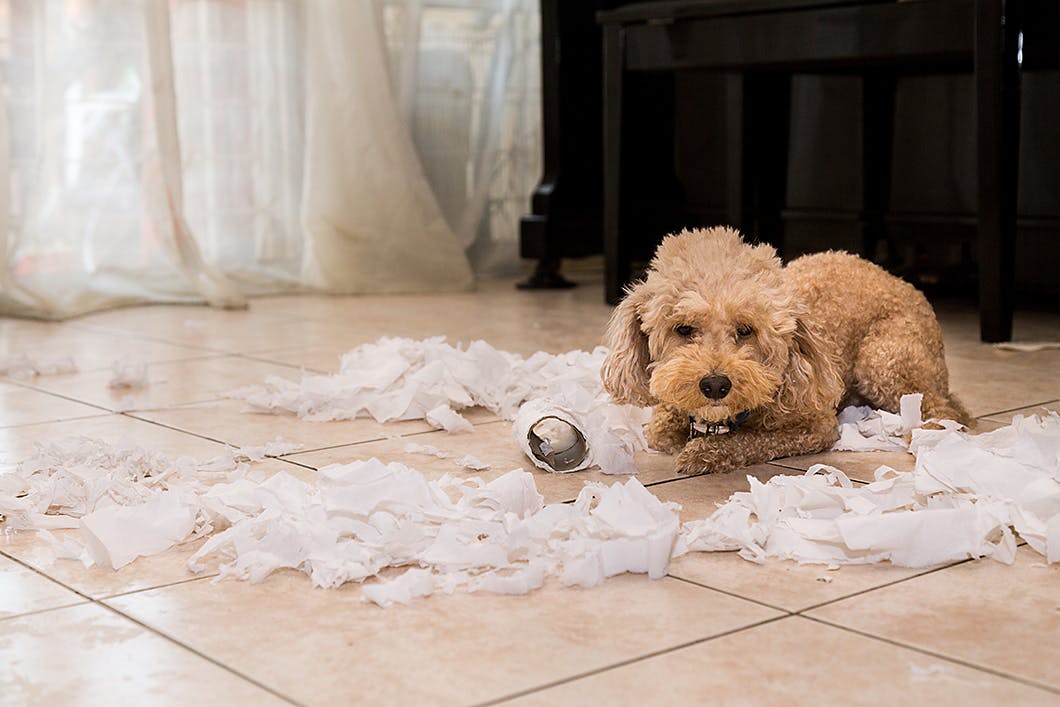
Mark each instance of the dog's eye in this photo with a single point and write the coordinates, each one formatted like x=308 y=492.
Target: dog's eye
x=743 y=331
x=684 y=330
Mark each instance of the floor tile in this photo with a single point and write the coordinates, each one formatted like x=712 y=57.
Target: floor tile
x=22 y=590
x=25 y=406
x=960 y=326
x=97 y=582
x=862 y=466
x=323 y=359
x=793 y=661
x=553 y=321
x=857 y=465
x=217 y=330
x=170 y=383
x=18 y=443
x=1006 y=618
x=226 y=420
x=778 y=583
x=1005 y=418
x=89 y=350
x=322 y=646
x=88 y=655
x=492 y=444
x=996 y=380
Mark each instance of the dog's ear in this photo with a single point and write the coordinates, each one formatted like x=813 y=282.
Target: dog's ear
x=625 y=370
x=812 y=379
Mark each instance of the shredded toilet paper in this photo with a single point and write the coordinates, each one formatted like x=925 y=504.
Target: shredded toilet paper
x=404 y=379
x=366 y=517
x=24 y=365
x=968 y=497
x=128 y=374
x=862 y=429
x=404 y=536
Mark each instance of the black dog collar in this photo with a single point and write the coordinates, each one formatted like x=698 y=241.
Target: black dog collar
x=708 y=429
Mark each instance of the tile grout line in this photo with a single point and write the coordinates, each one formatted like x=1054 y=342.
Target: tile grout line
x=628 y=661
x=941 y=656
x=44 y=611
x=287 y=457
x=141 y=590
x=132 y=414
x=200 y=654
x=105 y=413
x=27 y=386
x=886 y=584
x=304 y=369
x=1015 y=409
x=101 y=603
x=731 y=594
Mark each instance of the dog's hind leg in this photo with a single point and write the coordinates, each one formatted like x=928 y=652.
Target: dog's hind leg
x=902 y=355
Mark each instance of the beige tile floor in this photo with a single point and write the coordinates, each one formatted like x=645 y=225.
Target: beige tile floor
x=717 y=630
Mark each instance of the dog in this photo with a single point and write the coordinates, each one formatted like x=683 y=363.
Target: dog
x=745 y=360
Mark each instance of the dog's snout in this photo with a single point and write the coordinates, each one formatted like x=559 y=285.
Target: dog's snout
x=715 y=387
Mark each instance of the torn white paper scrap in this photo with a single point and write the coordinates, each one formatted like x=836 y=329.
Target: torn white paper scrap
x=276 y=448
x=364 y=517
x=968 y=497
x=1027 y=346
x=473 y=463
x=402 y=379
x=428 y=450
x=445 y=418
x=126 y=493
x=413 y=584
x=128 y=373
x=159 y=524
x=24 y=365
x=862 y=429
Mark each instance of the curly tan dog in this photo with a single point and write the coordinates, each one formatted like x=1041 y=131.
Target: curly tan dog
x=745 y=360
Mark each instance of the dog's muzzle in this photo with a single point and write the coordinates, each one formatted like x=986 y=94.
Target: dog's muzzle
x=697 y=428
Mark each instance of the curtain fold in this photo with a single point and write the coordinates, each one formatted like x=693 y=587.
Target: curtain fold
x=367 y=210
x=204 y=150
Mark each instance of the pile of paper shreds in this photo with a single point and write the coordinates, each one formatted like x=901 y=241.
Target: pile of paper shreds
x=404 y=535
x=403 y=379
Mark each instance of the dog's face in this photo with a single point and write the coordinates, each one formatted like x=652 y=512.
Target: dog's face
x=712 y=330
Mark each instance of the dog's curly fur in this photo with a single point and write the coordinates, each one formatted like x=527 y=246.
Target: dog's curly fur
x=795 y=342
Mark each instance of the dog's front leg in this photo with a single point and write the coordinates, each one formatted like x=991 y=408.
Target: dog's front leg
x=668 y=429
x=744 y=447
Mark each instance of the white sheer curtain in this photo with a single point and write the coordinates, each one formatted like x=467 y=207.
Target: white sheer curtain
x=202 y=150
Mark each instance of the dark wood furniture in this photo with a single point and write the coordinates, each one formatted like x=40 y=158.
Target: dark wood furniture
x=764 y=42
x=565 y=219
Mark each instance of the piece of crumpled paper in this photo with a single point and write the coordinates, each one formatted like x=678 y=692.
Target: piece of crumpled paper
x=367 y=518
x=404 y=379
x=356 y=522
x=24 y=365
x=406 y=536
x=127 y=502
x=128 y=373
x=969 y=496
x=862 y=429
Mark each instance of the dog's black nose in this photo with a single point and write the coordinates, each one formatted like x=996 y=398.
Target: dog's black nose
x=715 y=387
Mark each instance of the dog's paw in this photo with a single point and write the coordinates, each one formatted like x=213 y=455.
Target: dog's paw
x=702 y=455
x=668 y=443
x=667 y=431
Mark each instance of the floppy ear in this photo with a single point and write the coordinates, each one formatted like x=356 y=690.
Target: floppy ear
x=625 y=370
x=811 y=380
